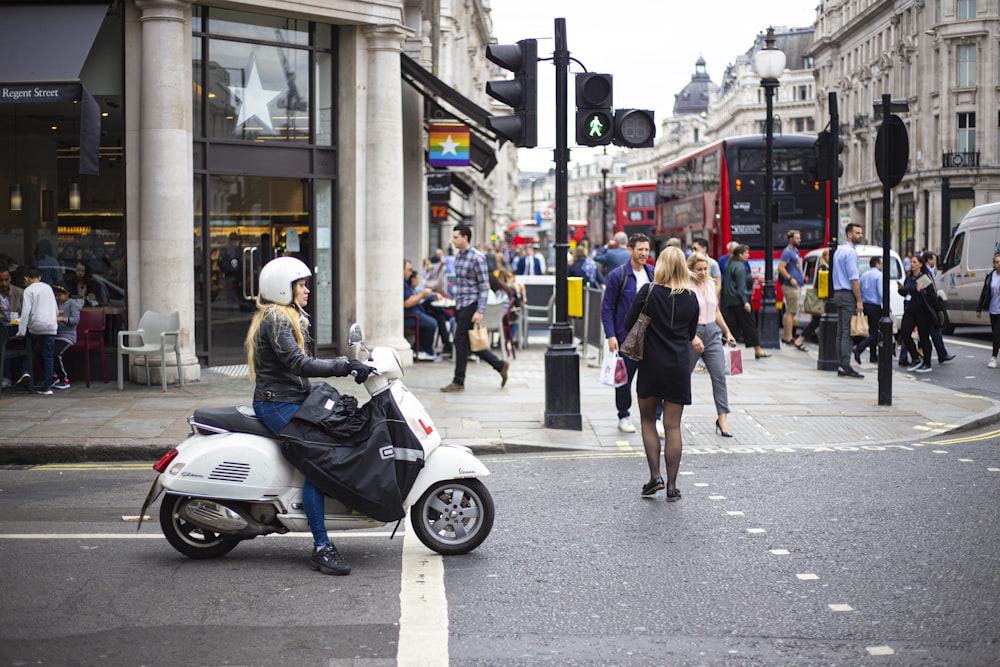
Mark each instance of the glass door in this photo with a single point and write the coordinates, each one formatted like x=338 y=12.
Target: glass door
x=251 y=219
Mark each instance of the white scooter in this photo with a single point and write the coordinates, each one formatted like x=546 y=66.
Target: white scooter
x=229 y=482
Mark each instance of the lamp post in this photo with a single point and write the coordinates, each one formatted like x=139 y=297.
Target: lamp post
x=533 y=200
x=604 y=163
x=769 y=63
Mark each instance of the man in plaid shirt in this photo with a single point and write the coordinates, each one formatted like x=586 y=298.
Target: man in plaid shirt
x=472 y=286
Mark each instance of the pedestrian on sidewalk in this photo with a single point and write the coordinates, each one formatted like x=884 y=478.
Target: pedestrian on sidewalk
x=919 y=309
x=814 y=305
x=472 y=287
x=664 y=381
x=712 y=331
x=930 y=261
x=736 y=301
x=791 y=278
x=67 y=317
x=38 y=320
x=624 y=282
x=847 y=296
x=280 y=369
x=871 y=301
x=989 y=300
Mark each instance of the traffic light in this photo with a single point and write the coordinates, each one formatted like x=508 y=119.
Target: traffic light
x=595 y=123
x=825 y=156
x=634 y=128
x=521 y=92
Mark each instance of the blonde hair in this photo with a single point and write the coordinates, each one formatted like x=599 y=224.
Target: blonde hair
x=696 y=257
x=296 y=318
x=671 y=270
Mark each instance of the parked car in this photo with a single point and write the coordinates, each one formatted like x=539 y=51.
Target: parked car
x=960 y=273
x=810 y=264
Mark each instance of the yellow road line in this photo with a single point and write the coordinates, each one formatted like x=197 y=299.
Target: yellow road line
x=624 y=445
x=94 y=466
x=970 y=438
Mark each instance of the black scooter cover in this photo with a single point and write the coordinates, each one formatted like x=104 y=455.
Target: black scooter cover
x=365 y=457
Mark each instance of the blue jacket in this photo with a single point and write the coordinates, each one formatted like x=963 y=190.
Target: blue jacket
x=613 y=314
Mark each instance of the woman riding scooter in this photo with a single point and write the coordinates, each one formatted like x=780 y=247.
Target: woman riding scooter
x=281 y=368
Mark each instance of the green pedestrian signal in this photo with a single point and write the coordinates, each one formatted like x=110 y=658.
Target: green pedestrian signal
x=594 y=117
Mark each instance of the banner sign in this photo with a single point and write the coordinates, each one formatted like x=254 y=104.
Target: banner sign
x=448 y=145
x=439 y=186
x=439 y=213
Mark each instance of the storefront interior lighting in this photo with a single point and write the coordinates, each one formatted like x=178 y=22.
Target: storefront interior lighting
x=15 y=196
x=74 y=196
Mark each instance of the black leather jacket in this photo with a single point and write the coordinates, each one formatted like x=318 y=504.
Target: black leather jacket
x=282 y=370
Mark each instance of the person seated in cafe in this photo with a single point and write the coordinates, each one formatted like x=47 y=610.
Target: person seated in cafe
x=88 y=287
x=67 y=317
x=10 y=295
x=413 y=298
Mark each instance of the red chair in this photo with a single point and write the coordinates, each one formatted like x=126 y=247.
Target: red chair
x=89 y=337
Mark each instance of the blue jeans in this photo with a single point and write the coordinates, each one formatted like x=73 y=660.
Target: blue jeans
x=44 y=344
x=275 y=415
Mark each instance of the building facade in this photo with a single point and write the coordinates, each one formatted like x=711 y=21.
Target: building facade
x=176 y=147
x=941 y=57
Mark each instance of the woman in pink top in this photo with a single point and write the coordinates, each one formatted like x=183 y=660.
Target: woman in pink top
x=712 y=329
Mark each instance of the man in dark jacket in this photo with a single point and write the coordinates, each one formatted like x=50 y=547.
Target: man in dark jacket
x=623 y=284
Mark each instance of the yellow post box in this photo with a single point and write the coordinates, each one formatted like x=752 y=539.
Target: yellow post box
x=574 y=288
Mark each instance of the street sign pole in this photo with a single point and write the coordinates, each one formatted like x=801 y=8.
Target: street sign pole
x=828 y=358
x=562 y=362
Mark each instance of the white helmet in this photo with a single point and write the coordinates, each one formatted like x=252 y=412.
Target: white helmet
x=277 y=278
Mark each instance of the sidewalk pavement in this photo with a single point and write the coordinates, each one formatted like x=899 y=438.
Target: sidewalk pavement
x=782 y=401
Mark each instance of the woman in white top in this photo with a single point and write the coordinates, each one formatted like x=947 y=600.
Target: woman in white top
x=711 y=330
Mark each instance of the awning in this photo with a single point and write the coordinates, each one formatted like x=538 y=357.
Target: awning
x=444 y=102
x=43 y=48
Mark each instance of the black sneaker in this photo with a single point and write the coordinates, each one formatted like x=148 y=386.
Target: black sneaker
x=946 y=359
x=329 y=561
x=857 y=356
x=23 y=380
x=849 y=373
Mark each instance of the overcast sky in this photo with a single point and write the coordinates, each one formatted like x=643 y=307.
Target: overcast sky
x=650 y=46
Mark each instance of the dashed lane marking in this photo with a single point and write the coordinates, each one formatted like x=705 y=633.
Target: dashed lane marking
x=756 y=531
x=880 y=650
x=841 y=607
x=780 y=552
x=807 y=577
x=159 y=536
x=735 y=513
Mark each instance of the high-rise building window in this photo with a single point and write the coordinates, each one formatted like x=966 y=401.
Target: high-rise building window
x=966 y=137
x=966 y=9
x=965 y=56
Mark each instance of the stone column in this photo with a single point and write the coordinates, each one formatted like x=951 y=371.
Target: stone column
x=380 y=252
x=166 y=263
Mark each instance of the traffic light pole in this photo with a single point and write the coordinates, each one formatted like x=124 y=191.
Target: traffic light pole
x=829 y=357
x=885 y=339
x=562 y=362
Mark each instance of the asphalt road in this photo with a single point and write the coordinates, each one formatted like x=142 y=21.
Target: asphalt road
x=853 y=557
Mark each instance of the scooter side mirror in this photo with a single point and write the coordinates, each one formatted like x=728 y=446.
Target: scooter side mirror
x=354 y=335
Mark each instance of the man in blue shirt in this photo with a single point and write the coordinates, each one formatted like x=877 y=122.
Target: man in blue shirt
x=614 y=254
x=871 y=300
x=847 y=296
x=791 y=278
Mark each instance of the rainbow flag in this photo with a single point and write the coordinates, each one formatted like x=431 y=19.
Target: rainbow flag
x=448 y=145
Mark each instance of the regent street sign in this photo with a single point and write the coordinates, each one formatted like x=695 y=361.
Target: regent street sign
x=39 y=92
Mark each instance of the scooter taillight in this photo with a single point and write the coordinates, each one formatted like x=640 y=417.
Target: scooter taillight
x=162 y=464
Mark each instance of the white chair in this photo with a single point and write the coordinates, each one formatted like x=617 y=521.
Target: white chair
x=493 y=321
x=539 y=314
x=155 y=330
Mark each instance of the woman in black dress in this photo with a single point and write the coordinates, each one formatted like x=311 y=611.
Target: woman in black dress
x=665 y=368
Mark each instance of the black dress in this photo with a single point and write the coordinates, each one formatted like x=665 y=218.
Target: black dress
x=665 y=369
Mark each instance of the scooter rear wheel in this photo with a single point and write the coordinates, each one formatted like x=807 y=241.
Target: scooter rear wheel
x=187 y=538
x=453 y=517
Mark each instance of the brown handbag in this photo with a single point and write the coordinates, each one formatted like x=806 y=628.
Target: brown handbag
x=635 y=341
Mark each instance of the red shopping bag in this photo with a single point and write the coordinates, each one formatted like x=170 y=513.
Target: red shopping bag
x=734 y=361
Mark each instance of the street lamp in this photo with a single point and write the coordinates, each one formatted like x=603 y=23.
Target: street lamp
x=769 y=63
x=604 y=162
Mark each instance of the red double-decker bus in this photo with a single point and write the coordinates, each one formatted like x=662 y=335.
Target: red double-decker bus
x=717 y=192
x=631 y=208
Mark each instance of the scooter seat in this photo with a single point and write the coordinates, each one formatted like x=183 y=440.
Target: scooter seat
x=239 y=419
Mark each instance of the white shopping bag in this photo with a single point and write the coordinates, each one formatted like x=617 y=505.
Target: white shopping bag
x=613 y=372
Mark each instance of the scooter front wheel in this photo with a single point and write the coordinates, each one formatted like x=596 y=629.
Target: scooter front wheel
x=189 y=539
x=453 y=517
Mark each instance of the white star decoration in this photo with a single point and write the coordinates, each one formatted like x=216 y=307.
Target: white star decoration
x=253 y=100
x=448 y=146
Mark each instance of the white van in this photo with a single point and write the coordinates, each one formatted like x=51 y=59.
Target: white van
x=810 y=264
x=962 y=270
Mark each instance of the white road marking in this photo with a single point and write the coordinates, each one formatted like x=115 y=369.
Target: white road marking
x=716 y=497
x=158 y=536
x=939 y=451
x=780 y=552
x=735 y=513
x=966 y=460
x=880 y=650
x=756 y=531
x=700 y=484
x=807 y=577
x=841 y=607
x=423 y=607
